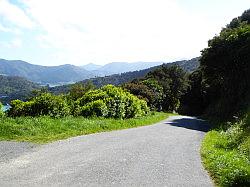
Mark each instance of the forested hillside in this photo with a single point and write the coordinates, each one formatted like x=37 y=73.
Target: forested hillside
x=15 y=88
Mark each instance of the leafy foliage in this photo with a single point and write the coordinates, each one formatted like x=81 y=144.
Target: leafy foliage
x=1 y=110
x=174 y=83
x=94 y=108
x=193 y=102
x=161 y=88
x=111 y=101
x=77 y=90
x=149 y=90
x=222 y=80
x=108 y=101
x=222 y=85
x=44 y=104
x=225 y=66
x=236 y=22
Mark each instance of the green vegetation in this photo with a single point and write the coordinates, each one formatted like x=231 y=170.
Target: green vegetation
x=108 y=101
x=226 y=154
x=222 y=80
x=161 y=88
x=44 y=104
x=15 y=88
x=46 y=129
x=220 y=91
x=149 y=90
x=2 y=114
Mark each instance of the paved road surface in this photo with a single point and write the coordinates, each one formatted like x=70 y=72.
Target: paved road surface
x=164 y=154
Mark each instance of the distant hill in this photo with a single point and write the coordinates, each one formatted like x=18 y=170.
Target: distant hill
x=117 y=79
x=44 y=74
x=66 y=74
x=91 y=67
x=120 y=67
x=15 y=88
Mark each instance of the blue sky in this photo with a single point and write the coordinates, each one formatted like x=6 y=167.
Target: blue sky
x=54 y=32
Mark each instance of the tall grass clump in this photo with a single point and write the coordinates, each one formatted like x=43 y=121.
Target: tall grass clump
x=45 y=129
x=226 y=154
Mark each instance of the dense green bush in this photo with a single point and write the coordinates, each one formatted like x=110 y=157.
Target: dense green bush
x=1 y=110
x=111 y=101
x=20 y=108
x=94 y=109
x=220 y=91
x=108 y=101
x=222 y=80
x=92 y=95
x=173 y=81
x=77 y=90
x=162 y=88
x=149 y=90
x=44 y=104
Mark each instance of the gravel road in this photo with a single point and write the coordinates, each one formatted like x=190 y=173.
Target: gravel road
x=164 y=154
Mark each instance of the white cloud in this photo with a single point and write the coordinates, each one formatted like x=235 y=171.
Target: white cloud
x=16 y=43
x=102 y=31
x=14 y=14
x=12 y=44
x=10 y=30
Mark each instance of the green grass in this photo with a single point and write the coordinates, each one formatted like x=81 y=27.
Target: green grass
x=226 y=154
x=46 y=129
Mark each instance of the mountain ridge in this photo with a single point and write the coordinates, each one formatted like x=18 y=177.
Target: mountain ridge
x=67 y=73
x=118 y=79
x=43 y=74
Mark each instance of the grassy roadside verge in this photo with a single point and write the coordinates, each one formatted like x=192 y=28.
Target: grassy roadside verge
x=46 y=129
x=226 y=154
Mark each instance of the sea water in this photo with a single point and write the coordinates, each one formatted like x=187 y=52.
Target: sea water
x=6 y=107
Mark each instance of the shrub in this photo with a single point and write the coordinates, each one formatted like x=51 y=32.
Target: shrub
x=44 y=104
x=20 y=108
x=135 y=107
x=92 y=95
x=94 y=109
x=48 y=104
x=109 y=101
x=1 y=110
x=116 y=103
x=148 y=90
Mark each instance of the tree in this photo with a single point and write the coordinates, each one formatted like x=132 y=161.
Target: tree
x=193 y=101
x=221 y=87
x=78 y=90
x=174 y=83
